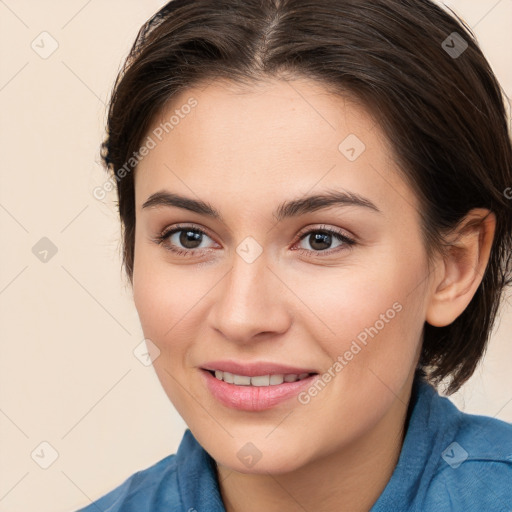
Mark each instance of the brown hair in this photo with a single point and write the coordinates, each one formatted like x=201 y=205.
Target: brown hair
x=436 y=99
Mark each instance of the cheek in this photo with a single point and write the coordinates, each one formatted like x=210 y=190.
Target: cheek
x=374 y=312
x=162 y=304
x=157 y=298
x=169 y=299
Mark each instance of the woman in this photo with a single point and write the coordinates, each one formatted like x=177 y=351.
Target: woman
x=317 y=232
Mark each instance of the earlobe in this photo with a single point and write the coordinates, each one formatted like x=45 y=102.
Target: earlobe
x=462 y=267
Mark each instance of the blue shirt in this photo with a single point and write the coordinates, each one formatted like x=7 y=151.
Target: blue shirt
x=450 y=461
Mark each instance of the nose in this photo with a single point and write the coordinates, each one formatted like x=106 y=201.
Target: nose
x=250 y=301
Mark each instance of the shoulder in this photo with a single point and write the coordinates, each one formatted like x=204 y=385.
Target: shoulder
x=153 y=488
x=181 y=482
x=474 y=469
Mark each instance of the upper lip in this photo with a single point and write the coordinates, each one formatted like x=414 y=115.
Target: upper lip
x=254 y=369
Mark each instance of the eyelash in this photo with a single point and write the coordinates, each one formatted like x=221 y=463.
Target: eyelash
x=161 y=239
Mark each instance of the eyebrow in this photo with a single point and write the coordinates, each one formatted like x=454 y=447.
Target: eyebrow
x=287 y=209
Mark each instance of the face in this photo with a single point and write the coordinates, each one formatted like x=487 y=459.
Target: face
x=337 y=289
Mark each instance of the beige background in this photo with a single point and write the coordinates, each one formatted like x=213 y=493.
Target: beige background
x=68 y=374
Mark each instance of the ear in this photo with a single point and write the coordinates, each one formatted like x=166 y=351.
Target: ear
x=461 y=270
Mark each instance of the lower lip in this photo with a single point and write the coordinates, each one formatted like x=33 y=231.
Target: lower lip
x=254 y=398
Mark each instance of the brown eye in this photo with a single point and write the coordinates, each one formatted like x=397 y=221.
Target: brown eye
x=183 y=240
x=189 y=238
x=321 y=239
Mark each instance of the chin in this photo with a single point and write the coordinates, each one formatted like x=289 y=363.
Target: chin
x=258 y=458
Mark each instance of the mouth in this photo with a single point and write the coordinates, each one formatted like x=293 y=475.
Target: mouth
x=258 y=380
x=258 y=392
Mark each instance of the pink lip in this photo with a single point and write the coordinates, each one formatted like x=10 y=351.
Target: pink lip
x=254 y=398
x=254 y=369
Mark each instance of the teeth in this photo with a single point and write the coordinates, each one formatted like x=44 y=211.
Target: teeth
x=260 y=380
x=241 y=380
x=276 y=379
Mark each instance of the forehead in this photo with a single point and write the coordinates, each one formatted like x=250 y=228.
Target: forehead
x=254 y=143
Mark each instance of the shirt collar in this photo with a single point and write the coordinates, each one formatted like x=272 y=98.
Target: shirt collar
x=422 y=438
x=197 y=477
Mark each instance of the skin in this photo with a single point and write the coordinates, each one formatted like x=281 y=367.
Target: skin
x=245 y=152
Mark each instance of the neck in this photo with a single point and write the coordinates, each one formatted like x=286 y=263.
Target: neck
x=348 y=480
